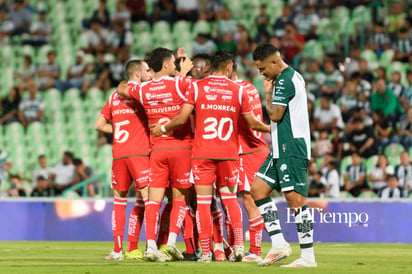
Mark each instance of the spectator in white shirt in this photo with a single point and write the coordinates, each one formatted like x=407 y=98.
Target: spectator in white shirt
x=327 y=115
x=307 y=22
x=42 y=170
x=380 y=173
x=121 y=41
x=6 y=28
x=332 y=181
x=76 y=72
x=121 y=15
x=97 y=37
x=40 y=31
x=64 y=175
x=187 y=10
x=31 y=109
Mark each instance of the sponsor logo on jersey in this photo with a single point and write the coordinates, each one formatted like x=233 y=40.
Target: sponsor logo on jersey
x=227 y=97
x=211 y=97
x=207 y=89
x=167 y=100
x=157 y=88
x=283 y=167
x=124 y=111
x=281 y=81
x=116 y=103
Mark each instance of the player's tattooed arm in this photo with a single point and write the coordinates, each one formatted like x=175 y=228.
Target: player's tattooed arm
x=274 y=111
x=103 y=126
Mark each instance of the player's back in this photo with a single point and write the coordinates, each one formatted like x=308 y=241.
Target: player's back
x=251 y=140
x=130 y=126
x=218 y=104
x=162 y=100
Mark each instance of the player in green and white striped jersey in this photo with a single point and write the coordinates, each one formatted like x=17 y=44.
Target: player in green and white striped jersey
x=285 y=169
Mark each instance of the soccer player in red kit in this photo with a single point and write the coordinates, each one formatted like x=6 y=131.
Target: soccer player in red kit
x=129 y=125
x=218 y=102
x=162 y=98
x=253 y=151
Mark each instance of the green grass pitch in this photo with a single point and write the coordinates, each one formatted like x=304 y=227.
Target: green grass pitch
x=87 y=257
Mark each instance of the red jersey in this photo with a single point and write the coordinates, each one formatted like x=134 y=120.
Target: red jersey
x=251 y=140
x=130 y=125
x=162 y=100
x=218 y=104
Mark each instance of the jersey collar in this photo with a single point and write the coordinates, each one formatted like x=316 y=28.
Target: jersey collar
x=133 y=82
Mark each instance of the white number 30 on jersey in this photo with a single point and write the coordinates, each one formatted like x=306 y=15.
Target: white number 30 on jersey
x=121 y=135
x=215 y=128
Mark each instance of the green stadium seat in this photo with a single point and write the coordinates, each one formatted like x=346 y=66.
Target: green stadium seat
x=393 y=150
x=386 y=58
x=340 y=13
x=141 y=26
x=201 y=27
x=371 y=163
x=362 y=15
x=160 y=27
x=369 y=55
x=14 y=133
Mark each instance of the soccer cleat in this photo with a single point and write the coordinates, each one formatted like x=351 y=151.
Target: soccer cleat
x=152 y=255
x=300 y=263
x=239 y=253
x=205 y=258
x=174 y=253
x=251 y=257
x=275 y=255
x=116 y=256
x=189 y=257
x=136 y=254
x=220 y=255
x=230 y=254
x=162 y=249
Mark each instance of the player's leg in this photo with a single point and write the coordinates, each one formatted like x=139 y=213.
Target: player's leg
x=293 y=172
x=157 y=187
x=120 y=185
x=165 y=220
x=217 y=222
x=227 y=178
x=263 y=184
x=204 y=172
x=179 y=172
x=140 y=171
x=249 y=165
x=189 y=228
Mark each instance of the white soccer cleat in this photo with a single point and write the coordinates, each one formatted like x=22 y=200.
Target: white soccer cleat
x=205 y=258
x=239 y=253
x=115 y=256
x=275 y=255
x=173 y=252
x=300 y=263
x=251 y=257
x=153 y=255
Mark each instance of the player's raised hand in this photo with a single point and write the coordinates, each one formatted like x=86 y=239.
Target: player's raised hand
x=181 y=53
x=268 y=85
x=185 y=66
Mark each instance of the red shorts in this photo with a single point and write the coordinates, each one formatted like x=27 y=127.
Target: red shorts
x=249 y=166
x=170 y=165
x=207 y=171
x=127 y=170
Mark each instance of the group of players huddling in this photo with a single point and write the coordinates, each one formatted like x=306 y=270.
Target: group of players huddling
x=199 y=139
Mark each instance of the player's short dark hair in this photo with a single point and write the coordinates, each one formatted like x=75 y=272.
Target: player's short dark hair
x=131 y=66
x=221 y=59
x=177 y=62
x=157 y=57
x=77 y=161
x=264 y=51
x=69 y=154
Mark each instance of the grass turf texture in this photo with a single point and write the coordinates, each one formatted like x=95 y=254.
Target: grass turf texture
x=87 y=257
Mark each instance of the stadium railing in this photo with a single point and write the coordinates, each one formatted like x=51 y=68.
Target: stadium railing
x=103 y=186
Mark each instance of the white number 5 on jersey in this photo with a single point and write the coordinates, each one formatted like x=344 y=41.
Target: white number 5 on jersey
x=121 y=135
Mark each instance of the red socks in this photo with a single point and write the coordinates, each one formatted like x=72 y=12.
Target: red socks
x=135 y=224
x=203 y=218
x=217 y=226
x=234 y=213
x=177 y=215
x=188 y=231
x=118 y=221
x=255 y=229
x=152 y=218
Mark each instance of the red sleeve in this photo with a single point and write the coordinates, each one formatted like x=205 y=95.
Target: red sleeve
x=106 y=113
x=191 y=94
x=182 y=85
x=245 y=107
x=134 y=92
